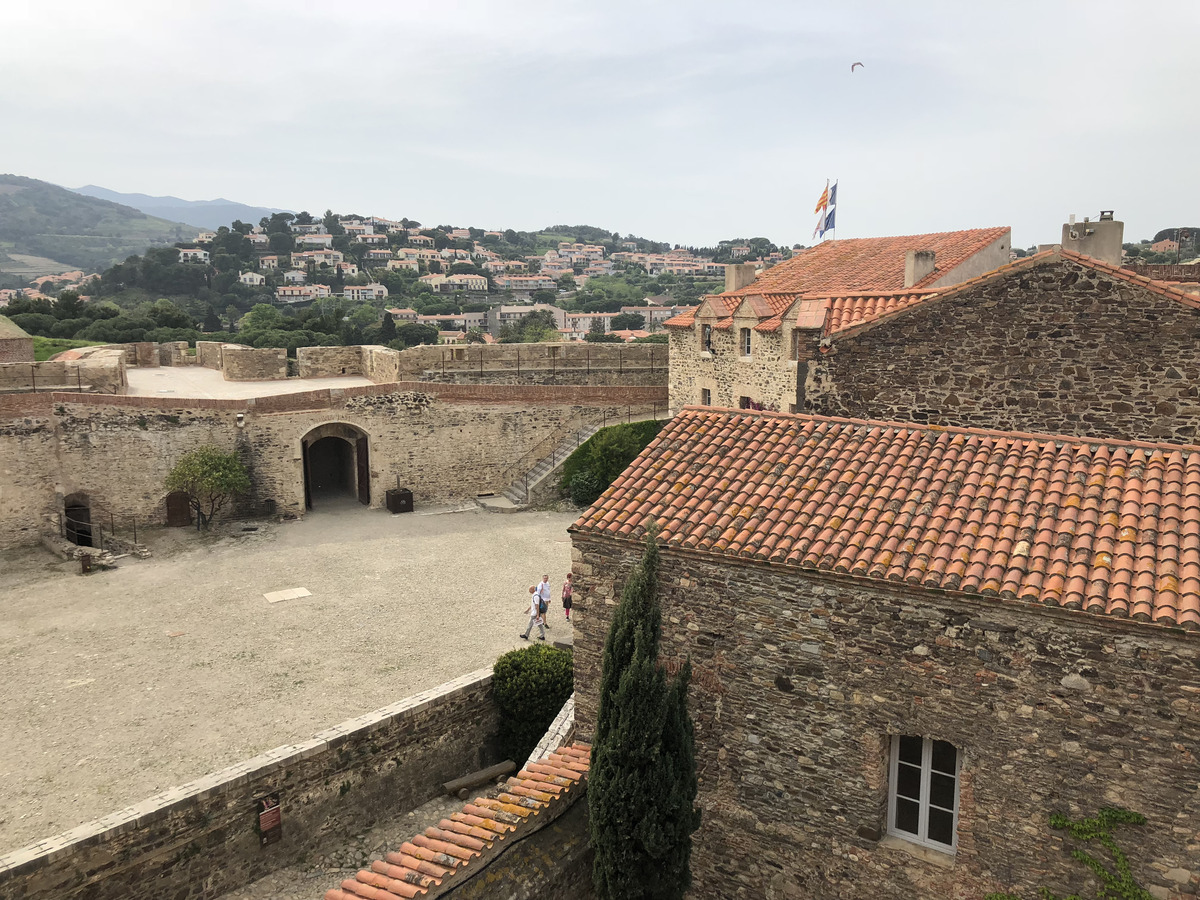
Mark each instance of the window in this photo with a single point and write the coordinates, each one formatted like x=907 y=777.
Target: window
x=705 y=397
x=745 y=403
x=706 y=337
x=795 y=343
x=923 y=793
x=745 y=341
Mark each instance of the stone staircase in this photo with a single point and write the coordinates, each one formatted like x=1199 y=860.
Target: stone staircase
x=516 y=496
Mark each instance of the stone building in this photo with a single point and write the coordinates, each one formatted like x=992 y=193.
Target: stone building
x=15 y=345
x=911 y=645
x=1056 y=342
x=739 y=348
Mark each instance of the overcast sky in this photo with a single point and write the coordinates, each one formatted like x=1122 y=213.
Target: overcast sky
x=687 y=122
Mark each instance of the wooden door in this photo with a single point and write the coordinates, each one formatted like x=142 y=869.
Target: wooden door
x=179 y=510
x=304 y=466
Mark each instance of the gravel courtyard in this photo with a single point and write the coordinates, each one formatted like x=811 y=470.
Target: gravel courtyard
x=120 y=684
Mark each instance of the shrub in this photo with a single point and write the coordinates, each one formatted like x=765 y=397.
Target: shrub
x=531 y=685
x=605 y=455
x=585 y=488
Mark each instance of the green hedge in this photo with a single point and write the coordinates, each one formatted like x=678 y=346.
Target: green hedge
x=595 y=465
x=531 y=685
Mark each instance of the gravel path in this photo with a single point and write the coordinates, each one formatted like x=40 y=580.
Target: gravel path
x=121 y=684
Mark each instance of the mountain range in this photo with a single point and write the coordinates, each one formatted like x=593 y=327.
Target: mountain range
x=208 y=214
x=47 y=229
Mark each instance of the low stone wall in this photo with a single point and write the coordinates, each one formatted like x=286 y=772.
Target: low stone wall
x=174 y=353
x=208 y=354
x=253 y=364
x=639 y=375
x=576 y=357
x=380 y=364
x=201 y=839
x=99 y=372
x=326 y=362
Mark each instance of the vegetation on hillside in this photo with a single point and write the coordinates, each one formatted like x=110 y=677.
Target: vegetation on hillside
x=41 y=219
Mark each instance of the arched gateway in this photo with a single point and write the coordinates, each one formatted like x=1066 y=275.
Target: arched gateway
x=336 y=464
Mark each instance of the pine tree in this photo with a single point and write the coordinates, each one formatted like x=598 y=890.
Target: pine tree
x=642 y=781
x=387 y=332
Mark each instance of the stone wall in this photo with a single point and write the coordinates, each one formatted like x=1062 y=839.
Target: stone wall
x=324 y=362
x=643 y=376
x=767 y=376
x=208 y=354
x=800 y=680
x=16 y=350
x=253 y=364
x=101 y=372
x=201 y=840
x=380 y=364
x=416 y=362
x=443 y=442
x=1059 y=348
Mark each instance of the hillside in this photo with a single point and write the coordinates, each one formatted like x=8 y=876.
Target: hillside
x=45 y=228
x=208 y=214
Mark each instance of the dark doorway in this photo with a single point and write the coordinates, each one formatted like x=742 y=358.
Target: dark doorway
x=336 y=464
x=77 y=520
x=179 y=510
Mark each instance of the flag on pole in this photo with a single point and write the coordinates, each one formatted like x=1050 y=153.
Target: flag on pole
x=823 y=203
x=833 y=195
x=829 y=221
x=820 y=229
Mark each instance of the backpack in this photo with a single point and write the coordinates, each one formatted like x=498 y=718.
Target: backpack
x=542 y=605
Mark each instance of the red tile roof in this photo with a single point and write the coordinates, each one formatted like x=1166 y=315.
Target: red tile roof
x=461 y=845
x=869 y=264
x=1104 y=527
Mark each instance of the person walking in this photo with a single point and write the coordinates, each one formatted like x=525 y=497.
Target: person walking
x=535 y=615
x=543 y=592
x=567 y=590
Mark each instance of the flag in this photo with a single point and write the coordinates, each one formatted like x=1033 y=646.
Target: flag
x=829 y=220
x=820 y=229
x=823 y=203
x=833 y=195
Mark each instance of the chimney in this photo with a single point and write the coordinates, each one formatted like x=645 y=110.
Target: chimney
x=1100 y=239
x=738 y=275
x=918 y=264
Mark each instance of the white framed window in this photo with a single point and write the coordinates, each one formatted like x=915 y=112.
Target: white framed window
x=923 y=792
x=745 y=341
x=706 y=337
x=705 y=397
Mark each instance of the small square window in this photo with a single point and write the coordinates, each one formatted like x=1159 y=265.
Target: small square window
x=705 y=397
x=923 y=792
x=745 y=340
x=744 y=403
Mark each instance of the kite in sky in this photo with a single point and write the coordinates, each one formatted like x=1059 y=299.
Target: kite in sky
x=852 y=67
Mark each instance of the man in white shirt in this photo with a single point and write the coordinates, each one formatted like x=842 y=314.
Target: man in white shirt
x=543 y=593
x=535 y=615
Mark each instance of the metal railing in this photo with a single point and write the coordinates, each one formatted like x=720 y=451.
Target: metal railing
x=94 y=528
x=564 y=445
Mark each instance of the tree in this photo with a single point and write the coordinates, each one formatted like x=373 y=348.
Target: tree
x=68 y=306
x=543 y=296
x=387 y=331
x=413 y=333
x=642 y=781
x=475 y=336
x=211 y=479
x=628 y=321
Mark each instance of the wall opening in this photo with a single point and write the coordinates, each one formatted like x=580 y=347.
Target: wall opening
x=336 y=465
x=179 y=509
x=77 y=520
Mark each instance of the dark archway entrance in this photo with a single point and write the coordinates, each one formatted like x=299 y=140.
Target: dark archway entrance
x=77 y=520
x=336 y=464
x=179 y=509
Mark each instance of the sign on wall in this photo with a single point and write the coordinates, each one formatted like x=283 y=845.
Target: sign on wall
x=270 y=819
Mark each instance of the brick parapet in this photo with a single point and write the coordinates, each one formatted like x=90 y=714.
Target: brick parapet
x=200 y=839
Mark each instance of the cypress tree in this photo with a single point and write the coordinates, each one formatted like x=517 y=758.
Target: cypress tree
x=387 y=331
x=642 y=780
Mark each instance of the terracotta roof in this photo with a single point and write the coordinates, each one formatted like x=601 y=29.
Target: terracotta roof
x=1104 y=527
x=461 y=845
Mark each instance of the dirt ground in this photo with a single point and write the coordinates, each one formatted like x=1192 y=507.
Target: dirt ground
x=120 y=684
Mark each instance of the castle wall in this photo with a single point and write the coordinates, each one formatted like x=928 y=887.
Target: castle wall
x=443 y=442
x=800 y=680
x=323 y=362
x=253 y=364
x=201 y=840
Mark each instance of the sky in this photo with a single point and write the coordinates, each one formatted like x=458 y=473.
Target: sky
x=688 y=122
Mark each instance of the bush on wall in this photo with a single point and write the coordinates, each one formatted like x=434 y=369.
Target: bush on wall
x=531 y=685
x=595 y=465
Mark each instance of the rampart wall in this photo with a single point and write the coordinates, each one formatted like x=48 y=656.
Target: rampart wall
x=443 y=442
x=201 y=840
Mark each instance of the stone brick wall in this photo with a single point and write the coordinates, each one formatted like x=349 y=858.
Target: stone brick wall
x=15 y=350
x=443 y=442
x=1060 y=348
x=253 y=364
x=799 y=681
x=102 y=372
x=200 y=840
x=416 y=362
x=767 y=376
x=630 y=375
x=208 y=354
x=323 y=362
x=380 y=364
